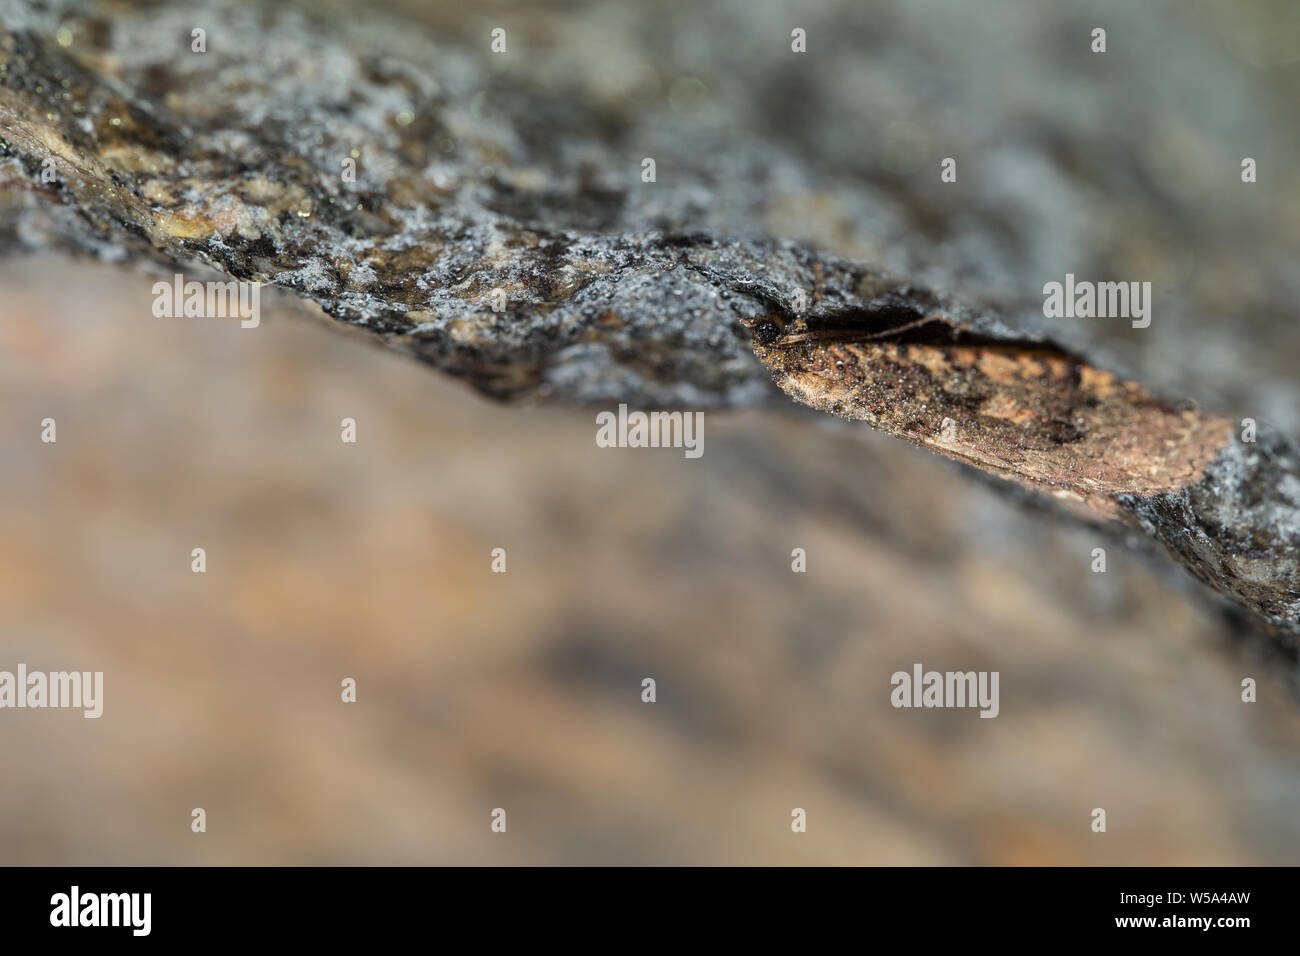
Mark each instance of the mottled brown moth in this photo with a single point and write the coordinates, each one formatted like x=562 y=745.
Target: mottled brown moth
x=1029 y=411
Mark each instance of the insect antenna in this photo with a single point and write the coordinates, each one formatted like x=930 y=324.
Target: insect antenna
x=839 y=335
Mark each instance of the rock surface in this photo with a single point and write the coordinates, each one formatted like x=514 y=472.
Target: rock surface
x=778 y=176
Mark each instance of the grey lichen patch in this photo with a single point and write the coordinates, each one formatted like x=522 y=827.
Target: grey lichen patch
x=528 y=274
x=1238 y=530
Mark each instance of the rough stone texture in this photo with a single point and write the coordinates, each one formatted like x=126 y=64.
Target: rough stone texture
x=778 y=177
x=1238 y=530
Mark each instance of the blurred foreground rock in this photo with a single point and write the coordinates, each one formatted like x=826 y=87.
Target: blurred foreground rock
x=522 y=690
